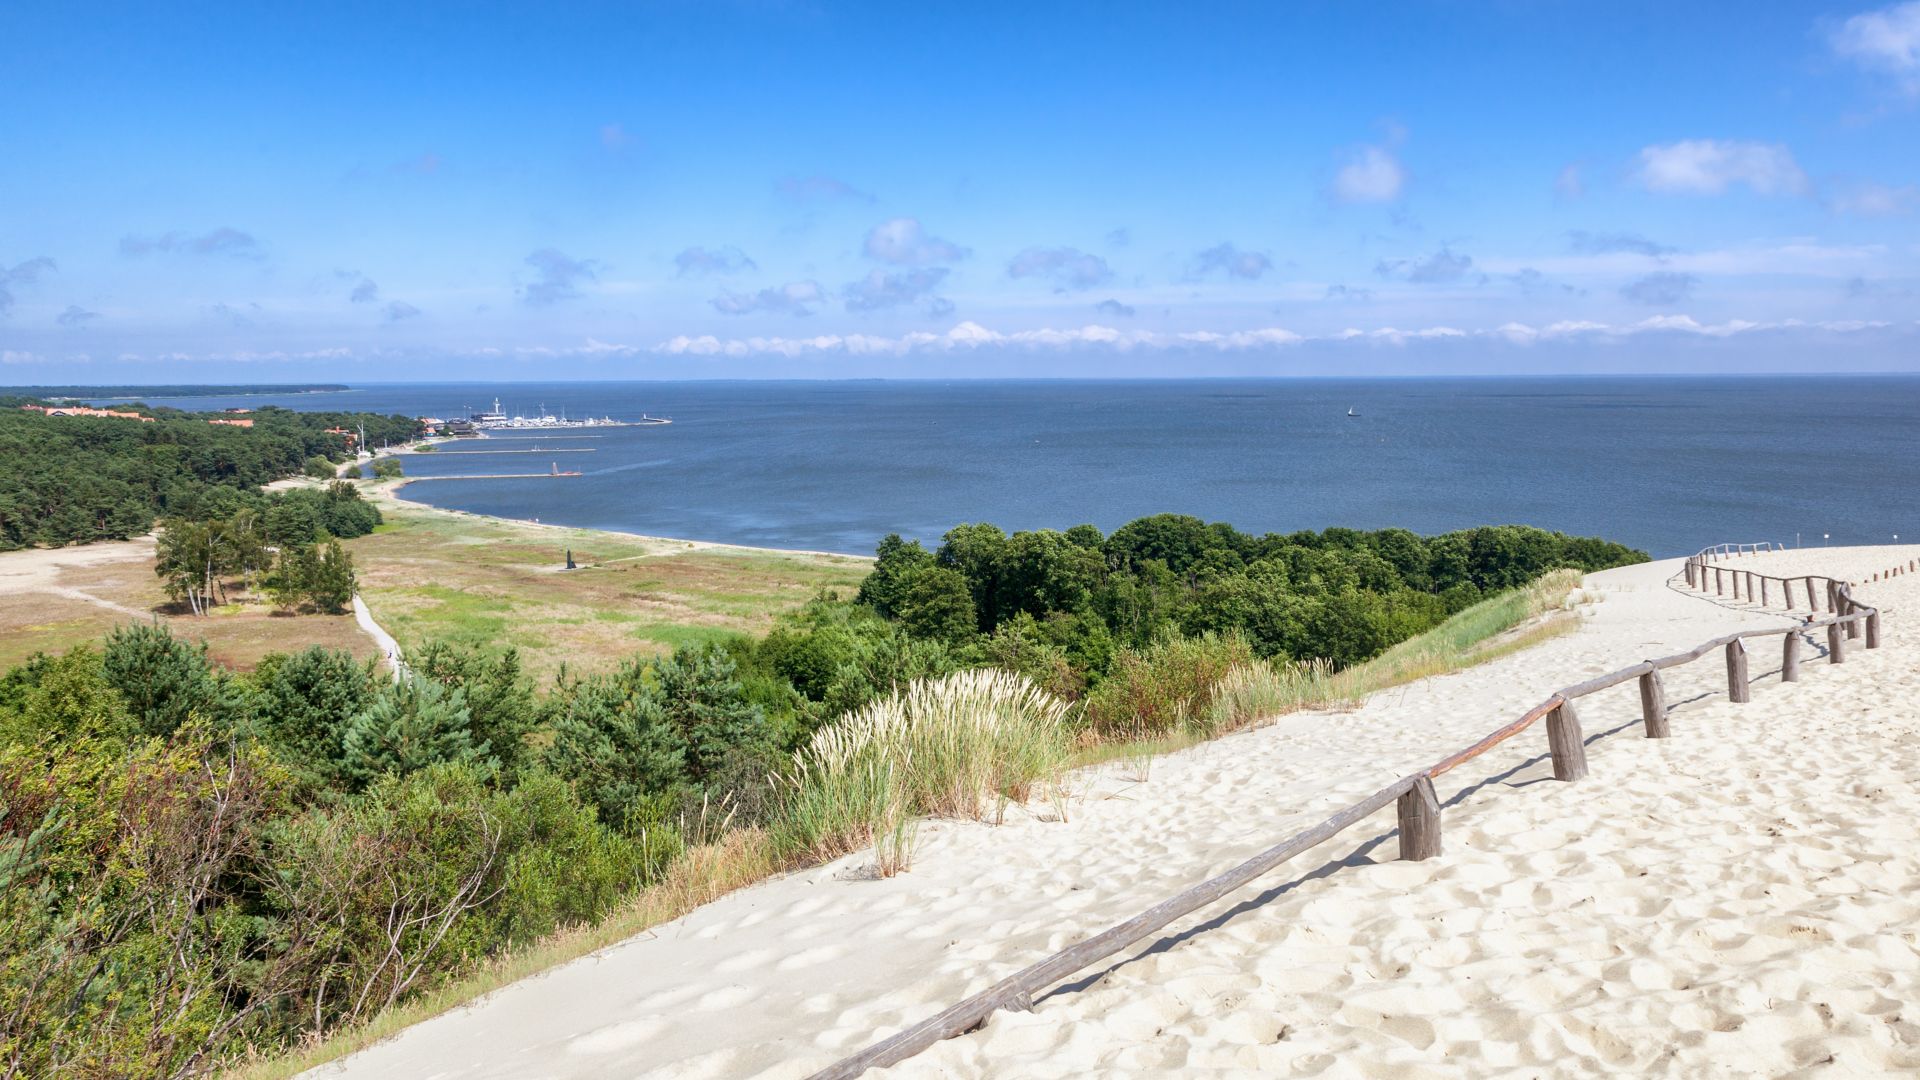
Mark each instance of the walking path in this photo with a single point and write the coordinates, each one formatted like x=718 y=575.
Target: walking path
x=389 y=648
x=1567 y=925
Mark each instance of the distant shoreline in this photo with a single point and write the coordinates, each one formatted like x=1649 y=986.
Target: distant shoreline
x=392 y=490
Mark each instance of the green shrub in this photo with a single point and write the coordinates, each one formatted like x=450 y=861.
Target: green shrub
x=1167 y=687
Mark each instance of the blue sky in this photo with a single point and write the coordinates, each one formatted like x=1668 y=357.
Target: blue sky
x=738 y=189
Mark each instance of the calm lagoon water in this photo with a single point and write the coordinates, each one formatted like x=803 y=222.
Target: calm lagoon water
x=1664 y=464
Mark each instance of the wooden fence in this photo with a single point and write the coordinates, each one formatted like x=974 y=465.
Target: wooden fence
x=1417 y=804
x=1704 y=571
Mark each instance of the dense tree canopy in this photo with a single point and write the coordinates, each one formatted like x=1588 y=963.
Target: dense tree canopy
x=72 y=479
x=1340 y=595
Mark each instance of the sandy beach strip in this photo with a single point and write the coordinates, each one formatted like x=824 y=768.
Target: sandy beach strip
x=1739 y=898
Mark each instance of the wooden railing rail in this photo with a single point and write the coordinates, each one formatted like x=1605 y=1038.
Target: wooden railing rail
x=1418 y=818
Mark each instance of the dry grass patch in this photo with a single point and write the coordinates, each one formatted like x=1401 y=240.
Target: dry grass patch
x=431 y=573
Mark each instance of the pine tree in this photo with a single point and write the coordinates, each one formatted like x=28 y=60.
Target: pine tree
x=414 y=724
x=612 y=740
x=705 y=703
x=164 y=680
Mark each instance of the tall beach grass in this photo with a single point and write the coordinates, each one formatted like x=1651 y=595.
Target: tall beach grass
x=957 y=746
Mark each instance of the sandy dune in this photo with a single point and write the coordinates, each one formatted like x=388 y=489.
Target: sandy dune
x=1741 y=898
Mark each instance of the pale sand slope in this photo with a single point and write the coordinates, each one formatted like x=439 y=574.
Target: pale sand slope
x=37 y=570
x=1761 y=858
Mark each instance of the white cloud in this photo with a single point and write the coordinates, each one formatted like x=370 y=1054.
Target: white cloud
x=557 y=277
x=795 y=297
x=1067 y=267
x=903 y=242
x=224 y=240
x=1887 y=39
x=1711 y=166
x=1663 y=289
x=968 y=336
x=1877 y=200
x=721 y=260
x=1234 y=262
x=1441 y=267
x=1372 y=174
x=884 y=290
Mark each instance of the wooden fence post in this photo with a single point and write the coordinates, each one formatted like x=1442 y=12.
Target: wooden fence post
x=1836 y=644
x=1420 y=821
x=1790 y=658
x=1848 y=607
x=1786 y=586
x=1564 y=740
x=1653 y=705
x=1873 y=629
x=1719 y=582
x=1736 y=584
x=1737 y=689
x=1763 y=592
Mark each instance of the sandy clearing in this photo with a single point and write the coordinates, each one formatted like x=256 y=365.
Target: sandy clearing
x=1558 y=909
x=38 y=569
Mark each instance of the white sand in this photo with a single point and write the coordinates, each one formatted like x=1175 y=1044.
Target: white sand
x=38 y=570
x=1742 y=898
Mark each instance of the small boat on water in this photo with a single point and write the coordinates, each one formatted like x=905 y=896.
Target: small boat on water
x=1350 y=411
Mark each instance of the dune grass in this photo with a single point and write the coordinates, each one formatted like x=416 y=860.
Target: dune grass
x=957 y=746
x=960 y=746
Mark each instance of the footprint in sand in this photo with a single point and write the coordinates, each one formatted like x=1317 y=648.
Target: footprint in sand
x=615 y=1037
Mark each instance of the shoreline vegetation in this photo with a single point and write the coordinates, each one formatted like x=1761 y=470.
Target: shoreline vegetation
x=744 y=857
x=209 y=867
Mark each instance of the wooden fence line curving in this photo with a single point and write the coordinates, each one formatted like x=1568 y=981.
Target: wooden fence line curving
x=1417 y=804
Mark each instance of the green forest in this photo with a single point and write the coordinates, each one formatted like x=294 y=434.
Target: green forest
x=75 y=479
x=195 y=861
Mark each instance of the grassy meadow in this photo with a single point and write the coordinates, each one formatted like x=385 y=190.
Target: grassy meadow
x=434 y=574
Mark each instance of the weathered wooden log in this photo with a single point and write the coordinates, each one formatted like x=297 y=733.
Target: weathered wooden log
x=1736 y=584
x=1017 y=990
x=1719 y=582
x=1786 y=588
x=1873 y=629
x=1653 y=705
x=1420 y=821
x=1836 y=644
x=1790 y=658
x=1763 y=592
x=1493 y=739
x=1737 y=689
x=1848 y=607
x=1565 y=741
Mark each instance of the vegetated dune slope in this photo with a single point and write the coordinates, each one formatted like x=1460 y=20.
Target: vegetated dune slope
x=1741 y=898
